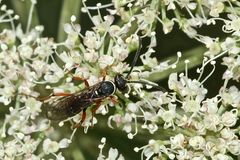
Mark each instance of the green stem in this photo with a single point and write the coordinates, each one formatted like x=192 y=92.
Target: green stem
x=30 y=16
x=27 y=13
x=195 y=56
x=222 y=109
x=69 y=8
x=185 y=131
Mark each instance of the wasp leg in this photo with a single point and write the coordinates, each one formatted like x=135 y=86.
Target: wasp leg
x=113 y=99
x=103 y=73
x=53 y=94
x=62 y=94
x=78 y=78
x=94 y=109
x=81 y=79
x=83 y=115
x=77 y=125
x=69 y=71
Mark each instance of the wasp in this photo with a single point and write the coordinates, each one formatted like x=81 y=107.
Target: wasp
x=70 y=105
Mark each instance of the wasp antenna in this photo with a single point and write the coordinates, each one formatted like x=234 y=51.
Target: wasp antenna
x=136 y=56
x=157 y=87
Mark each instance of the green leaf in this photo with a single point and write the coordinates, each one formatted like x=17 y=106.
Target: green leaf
x=69 y=8
x=195 y=56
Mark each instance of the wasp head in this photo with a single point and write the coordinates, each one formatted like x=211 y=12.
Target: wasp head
x=120 y=82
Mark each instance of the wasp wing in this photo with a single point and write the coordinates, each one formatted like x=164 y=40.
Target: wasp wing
x=68 y=106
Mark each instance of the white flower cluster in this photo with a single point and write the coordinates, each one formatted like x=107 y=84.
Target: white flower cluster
x=24 y=63
x=196 y=127
x=112 y=153
x=187 y=123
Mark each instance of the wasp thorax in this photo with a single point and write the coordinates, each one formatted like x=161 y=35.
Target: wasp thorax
x=107 y=88
x=120 y=82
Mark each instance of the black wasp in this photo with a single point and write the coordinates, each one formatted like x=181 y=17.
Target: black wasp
x=72 y=104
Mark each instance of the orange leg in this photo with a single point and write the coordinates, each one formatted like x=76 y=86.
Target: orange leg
x=53 y=94
x=78 y=78
x=93 y=110
x=62 y=94
x=83 y=115
x=113 y=99
x=75 y=66
x=77 y=125
x=81 y=79
x=104 y=73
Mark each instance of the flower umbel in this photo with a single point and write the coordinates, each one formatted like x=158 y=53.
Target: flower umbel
x=75 y=82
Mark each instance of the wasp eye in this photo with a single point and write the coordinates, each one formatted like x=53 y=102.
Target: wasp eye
x=120 y=82
x=107 y=88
